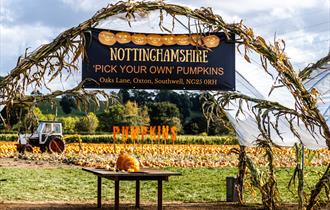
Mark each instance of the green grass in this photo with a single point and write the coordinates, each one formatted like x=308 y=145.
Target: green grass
x=73 y=184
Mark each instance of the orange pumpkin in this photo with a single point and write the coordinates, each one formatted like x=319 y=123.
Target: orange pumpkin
x=107 y=38
x=123 y=37
x=211 y=41
x=127 y=163
x=196 y=40
x=139 y=39
x=155 y=40
x=182 y=39
x=169 y=39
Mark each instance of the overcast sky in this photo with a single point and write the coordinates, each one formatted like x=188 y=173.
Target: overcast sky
x=303 y=24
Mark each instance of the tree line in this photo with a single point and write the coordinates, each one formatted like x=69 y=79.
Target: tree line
x=135 y=107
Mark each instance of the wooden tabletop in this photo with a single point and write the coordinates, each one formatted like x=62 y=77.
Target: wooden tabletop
x=144 y=172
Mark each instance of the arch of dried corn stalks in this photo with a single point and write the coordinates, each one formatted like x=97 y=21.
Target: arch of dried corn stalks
x=51 y=61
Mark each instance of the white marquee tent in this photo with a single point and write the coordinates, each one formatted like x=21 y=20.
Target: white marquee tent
x=246 y=125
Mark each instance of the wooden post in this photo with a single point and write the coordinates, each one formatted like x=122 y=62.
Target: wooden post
x=231 y=193
x=99 y=191
x=137 y=194
x=116 y=194
x=160 y=194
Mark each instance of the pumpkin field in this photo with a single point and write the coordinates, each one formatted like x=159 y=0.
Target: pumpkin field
x=166 y=155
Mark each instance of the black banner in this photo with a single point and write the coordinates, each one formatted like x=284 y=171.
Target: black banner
x=151 y=61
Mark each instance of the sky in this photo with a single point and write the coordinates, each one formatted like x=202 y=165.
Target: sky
x=303 y=24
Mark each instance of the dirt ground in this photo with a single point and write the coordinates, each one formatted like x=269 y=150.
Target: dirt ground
x=21 y=163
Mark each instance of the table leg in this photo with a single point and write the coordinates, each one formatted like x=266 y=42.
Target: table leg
x=160 y=194
x=99 y=191
x=116 y=194
x=137 y=194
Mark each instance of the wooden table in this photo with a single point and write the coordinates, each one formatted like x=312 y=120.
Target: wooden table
x=144 y=174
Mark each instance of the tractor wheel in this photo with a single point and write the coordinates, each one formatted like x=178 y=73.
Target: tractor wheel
x=43 y=148
x=21 y=148
x=28 y=148
x=56 y=145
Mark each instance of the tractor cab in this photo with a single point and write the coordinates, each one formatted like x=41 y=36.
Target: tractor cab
x=47 y=136
x=48 y=129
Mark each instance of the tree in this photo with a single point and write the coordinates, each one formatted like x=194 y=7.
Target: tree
x=135 y=115
x=174 y=121
x=22 y=119
x=142 y=97
x=131 y=116
x=69 y=124
x=131 y=108
x=220 y=127
x=195 y=102
x=161 y=113
x=68 y=104
x=124 y=96
x=128 y=114
x=114 y=116
x=38 y=113
x=36 y=93
x=144 y=113
x=13 y=115
x=180 y=100
x=196 y=125
x=88 y=123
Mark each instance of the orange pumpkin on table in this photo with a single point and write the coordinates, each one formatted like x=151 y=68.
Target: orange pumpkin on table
x=127 y=163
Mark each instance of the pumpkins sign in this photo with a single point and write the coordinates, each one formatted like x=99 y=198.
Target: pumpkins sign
x=117 y=59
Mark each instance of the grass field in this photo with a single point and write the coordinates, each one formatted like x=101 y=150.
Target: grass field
x=73 y=184
x=36 y=177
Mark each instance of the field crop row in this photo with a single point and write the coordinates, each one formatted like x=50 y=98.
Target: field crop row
x=108 y=138
x=161 y=155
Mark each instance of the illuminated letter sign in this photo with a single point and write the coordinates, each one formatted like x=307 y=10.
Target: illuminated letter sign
x=151 y=61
